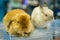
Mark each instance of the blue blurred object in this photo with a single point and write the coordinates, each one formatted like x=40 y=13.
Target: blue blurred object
x=55 y=27
x=57 y=8
x=3 y=8
x=5 y=35
x=56 y=11
x=26 y=2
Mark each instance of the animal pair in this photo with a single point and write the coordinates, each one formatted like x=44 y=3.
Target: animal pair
x=18 y=22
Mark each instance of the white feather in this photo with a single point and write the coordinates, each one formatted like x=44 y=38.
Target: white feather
x=38 y=18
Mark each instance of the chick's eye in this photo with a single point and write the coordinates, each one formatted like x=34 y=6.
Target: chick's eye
x=46 y=15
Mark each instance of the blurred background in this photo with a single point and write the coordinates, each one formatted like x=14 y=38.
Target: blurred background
x=28 y=6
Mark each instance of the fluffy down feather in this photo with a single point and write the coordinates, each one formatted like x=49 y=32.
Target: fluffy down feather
x=18 y=22
x=41 y=17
